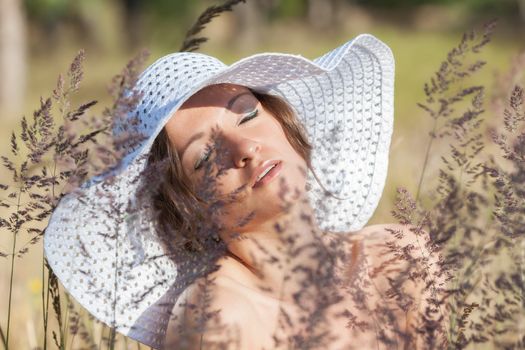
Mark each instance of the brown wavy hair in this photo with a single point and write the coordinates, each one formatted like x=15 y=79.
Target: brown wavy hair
x=176 y=201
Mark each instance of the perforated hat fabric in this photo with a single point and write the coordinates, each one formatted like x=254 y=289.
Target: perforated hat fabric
x=112 y=262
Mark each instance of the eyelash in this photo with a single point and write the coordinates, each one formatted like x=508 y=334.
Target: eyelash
x=206 y=156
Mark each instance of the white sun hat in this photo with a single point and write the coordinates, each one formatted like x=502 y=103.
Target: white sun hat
x=113 y=263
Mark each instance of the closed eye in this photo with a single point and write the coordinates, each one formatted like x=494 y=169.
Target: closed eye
x=204 y=158
x=207 y=153
x=250 y=115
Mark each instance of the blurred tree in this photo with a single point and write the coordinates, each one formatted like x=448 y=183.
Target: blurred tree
x=493 y=7
x=47 y=15
x=133 y=22
x=323 y=13
x=249 y=17
x=408 y=3
x=169 y=10
x=93 y=22
x=13 y=64
x=289 y=8
x=166 y=21
x=54 y=18
x=521 y=5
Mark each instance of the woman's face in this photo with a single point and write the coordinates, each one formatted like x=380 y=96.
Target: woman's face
x=250 y=139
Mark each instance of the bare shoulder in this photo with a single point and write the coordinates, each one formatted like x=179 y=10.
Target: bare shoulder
x=396 y=247
x=376 y=233
x=382 y=242
x=219 y=292
x=406 y=241
x=390 y=230
x=404 y=272
x=214 y=312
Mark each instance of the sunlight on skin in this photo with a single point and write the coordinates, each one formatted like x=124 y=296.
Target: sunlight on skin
x=367 y=269
x=246 y=147
x=250 y=295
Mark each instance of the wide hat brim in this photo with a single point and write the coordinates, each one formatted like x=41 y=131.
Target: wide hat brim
x=101 y=242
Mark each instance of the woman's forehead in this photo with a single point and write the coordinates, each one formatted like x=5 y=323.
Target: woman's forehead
x=214 y=95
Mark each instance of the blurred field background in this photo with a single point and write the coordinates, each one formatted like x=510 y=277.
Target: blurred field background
x=39 y=38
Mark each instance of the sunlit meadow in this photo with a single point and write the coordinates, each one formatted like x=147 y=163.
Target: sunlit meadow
x=419 y=49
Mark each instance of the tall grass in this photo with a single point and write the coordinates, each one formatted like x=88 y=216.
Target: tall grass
x=467 y=212
x=48 y=160
x=451 y=275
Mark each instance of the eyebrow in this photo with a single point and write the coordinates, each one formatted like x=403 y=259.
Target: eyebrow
x=199 y=135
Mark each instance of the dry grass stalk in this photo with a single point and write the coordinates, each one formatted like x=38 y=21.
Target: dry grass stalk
x=445 y=250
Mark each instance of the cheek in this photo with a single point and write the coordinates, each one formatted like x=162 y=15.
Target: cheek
x=223 y=187
x=277 y=137
x=277 y=141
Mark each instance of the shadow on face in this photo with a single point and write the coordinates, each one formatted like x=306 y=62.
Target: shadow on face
x=226 y=140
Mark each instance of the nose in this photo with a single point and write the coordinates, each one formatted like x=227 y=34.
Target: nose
x=244 y=150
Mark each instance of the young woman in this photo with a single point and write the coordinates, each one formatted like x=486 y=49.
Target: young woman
x=236 y=216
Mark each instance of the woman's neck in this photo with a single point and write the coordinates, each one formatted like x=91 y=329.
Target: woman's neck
x=272 y=256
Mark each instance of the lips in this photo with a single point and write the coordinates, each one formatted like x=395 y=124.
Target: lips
x=262 y=169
